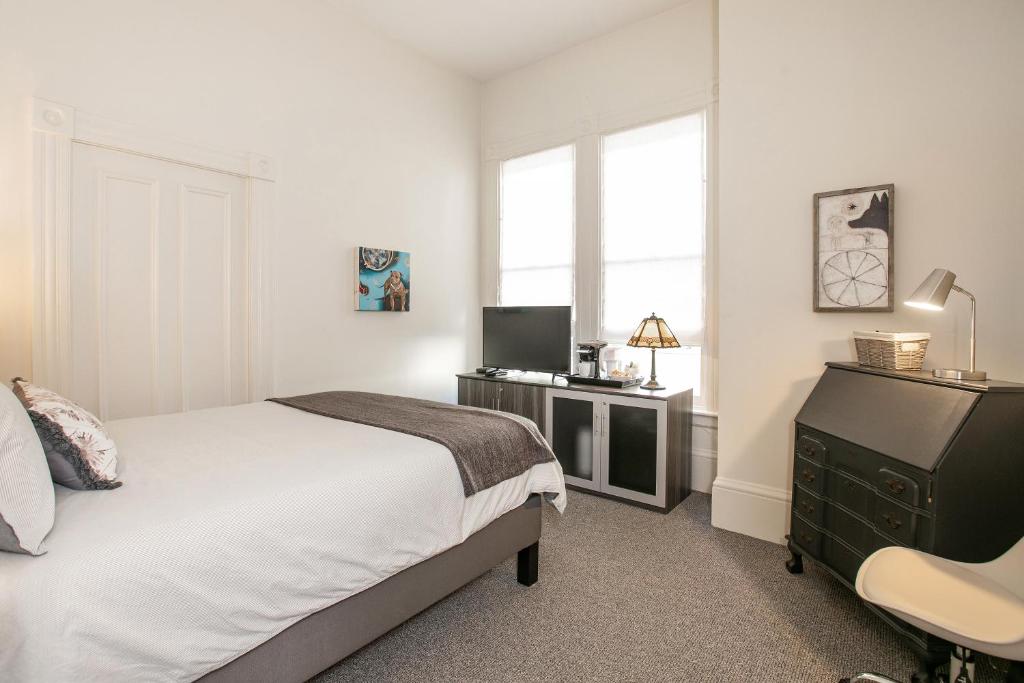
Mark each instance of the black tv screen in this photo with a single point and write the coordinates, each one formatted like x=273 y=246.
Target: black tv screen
x=537 y=338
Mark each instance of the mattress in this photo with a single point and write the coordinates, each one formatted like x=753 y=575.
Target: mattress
x=233 y=523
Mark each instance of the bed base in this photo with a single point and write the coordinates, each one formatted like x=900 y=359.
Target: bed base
x=324 y=638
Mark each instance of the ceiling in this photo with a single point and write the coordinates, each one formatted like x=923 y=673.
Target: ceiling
x=486 y=38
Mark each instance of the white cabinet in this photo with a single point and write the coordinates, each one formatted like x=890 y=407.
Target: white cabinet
x=616 y=445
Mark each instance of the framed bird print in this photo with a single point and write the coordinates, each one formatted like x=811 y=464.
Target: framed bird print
x=382 y=280
x=853 y=250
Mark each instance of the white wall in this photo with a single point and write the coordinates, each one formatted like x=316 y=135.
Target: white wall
x=650 y=70
x=375 y=146
x=824 y=95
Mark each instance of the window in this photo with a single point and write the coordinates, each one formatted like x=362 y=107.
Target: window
x=632 y=240
x=536 y=227
x=652 y=229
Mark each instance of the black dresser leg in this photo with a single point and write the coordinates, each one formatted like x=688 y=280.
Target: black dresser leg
x=526 y=564
x=795 y=563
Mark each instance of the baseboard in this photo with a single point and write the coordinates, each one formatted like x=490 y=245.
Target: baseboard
x=704 y=458
x=703 y=467
x=751 y=509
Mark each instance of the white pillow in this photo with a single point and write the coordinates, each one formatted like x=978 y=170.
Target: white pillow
x=80 y=453
x=26 y=491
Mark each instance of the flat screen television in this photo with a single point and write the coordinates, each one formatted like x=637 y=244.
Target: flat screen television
x=537 y=338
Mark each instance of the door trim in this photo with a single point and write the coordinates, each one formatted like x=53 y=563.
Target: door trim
x=55 y=127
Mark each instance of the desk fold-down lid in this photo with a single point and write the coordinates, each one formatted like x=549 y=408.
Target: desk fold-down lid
x=913 y=422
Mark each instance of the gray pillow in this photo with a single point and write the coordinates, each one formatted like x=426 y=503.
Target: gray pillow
x=80 y=453
x=26 y=491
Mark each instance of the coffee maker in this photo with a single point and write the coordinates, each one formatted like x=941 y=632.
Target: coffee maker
x=589 y=356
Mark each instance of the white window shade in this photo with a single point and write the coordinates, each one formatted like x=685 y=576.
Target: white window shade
x=536 y=227
x=652 y=209
x=652 y=246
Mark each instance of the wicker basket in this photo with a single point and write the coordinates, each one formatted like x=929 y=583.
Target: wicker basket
x=891 y=350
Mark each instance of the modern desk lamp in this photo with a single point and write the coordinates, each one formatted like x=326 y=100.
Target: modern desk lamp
x=931 y=296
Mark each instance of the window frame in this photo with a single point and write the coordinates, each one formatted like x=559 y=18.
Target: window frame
x=588 y=229
x=572 y=236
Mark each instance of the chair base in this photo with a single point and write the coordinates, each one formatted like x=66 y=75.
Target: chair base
x=1015 y=674
x=916 y=677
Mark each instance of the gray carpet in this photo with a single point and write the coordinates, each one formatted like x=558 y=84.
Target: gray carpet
x=631 y=595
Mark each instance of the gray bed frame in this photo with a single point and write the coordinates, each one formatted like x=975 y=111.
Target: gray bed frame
x=324 y=638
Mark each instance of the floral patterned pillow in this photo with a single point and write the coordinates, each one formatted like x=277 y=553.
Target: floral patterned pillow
x=79 y=452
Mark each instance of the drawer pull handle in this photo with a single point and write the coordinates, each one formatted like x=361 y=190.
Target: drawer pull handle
x=806 y=538
x=808 y=475
x=892 y=521
x=896 y=486
x=806 y=507
x=809 y=451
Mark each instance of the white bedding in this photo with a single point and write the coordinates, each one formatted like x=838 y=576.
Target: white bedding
x=232 y=524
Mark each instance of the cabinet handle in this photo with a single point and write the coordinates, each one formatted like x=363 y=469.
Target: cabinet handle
x=809 y=451
x=896 y=486
x=808 y=475
x=805 y=537
x=806 y=507
x=892 y=521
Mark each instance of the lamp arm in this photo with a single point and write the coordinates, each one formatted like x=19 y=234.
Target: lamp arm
x=974 y=310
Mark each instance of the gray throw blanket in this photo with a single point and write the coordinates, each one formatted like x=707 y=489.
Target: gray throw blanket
x=489 y=447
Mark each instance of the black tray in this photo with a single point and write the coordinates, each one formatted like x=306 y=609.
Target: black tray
x=617 y=382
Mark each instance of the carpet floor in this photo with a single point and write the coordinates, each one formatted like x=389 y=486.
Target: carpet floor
x=626 y=594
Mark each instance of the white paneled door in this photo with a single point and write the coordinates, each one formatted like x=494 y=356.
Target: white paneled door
x=159 y=279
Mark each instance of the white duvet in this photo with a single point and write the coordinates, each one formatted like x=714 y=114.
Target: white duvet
x=232 y=524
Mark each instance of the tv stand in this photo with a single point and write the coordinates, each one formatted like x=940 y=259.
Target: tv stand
x=630 y=444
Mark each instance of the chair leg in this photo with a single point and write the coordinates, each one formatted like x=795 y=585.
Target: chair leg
x=928 y=671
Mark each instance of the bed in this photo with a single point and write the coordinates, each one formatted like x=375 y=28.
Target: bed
x=254 y=542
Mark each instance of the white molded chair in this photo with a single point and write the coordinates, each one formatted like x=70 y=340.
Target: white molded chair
x=977 y=606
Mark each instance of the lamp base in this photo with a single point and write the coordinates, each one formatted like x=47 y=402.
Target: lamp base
x=961 y=375
x=652 y=385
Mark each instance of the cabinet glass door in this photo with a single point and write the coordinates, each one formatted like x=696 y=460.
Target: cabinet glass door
x=634 y=458
x=571 y=433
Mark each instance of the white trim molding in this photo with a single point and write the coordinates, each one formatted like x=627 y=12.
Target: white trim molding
x=55 y=128
x=749 y=508
x=704 y=454
x=53 y=125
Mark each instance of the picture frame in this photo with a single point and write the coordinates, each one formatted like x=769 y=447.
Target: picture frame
x=383 y=281
x=854 y=254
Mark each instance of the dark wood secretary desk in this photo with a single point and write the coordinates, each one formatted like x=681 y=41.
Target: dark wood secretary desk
x=901 y=458
x=630 y=444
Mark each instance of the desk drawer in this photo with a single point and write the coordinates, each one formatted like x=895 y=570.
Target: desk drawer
x=898 y=486
x=809 y=475
x=851 y=494
x=896 y=522
x=812 y=449
x=841 y=559
x=856 y=533
x=887 y=476
x=808 y=506
x=806 y=536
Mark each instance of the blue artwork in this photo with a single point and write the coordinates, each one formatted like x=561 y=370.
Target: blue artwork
x=382 y=277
